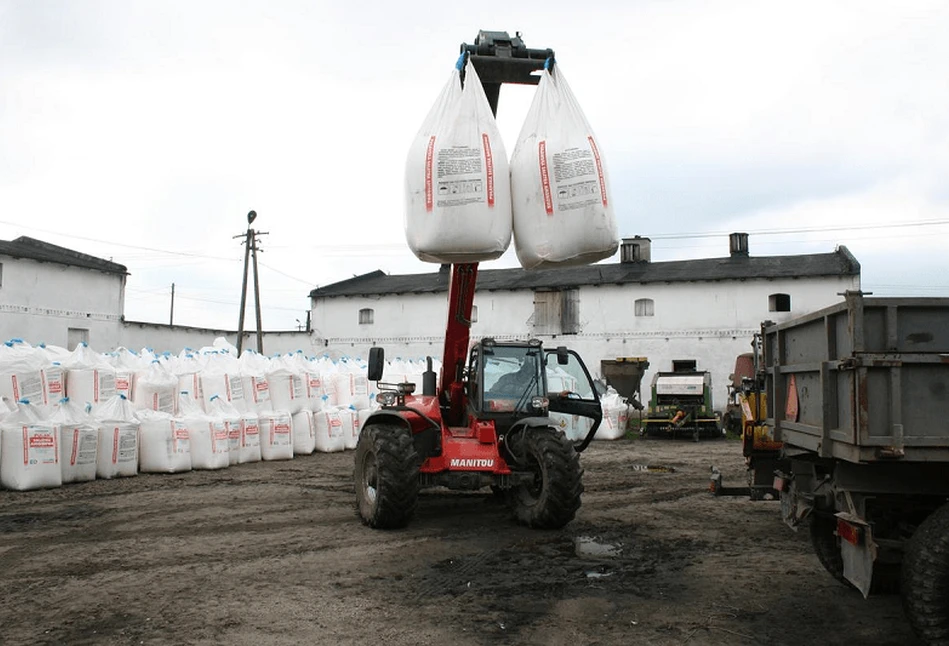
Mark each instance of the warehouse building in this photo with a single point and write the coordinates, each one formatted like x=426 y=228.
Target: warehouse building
x=703 y=310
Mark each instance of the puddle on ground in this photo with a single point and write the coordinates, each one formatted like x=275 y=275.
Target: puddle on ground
x=653 y=468
x=586 y=546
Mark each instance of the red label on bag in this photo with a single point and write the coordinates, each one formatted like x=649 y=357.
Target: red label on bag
x=545 y=177
x=599 y=168
x=488 y=166
x=75 y=447
x=429 y=157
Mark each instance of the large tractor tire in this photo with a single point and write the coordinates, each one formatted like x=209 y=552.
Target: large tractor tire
x=886 y=576
x=925 y=584
x=553 y=498
x=386 y=476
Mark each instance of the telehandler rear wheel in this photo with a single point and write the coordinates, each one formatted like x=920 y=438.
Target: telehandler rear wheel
x=386 y=476
x=553 y=498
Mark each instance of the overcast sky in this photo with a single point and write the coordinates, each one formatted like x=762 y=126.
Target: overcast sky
x=145 y=131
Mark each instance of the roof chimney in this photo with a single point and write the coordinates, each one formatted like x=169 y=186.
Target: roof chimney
x=635 y=249
x=738 y=244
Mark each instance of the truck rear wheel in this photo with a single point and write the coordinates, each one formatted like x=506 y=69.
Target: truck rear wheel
x=386 y=476
x=886 y=576
x=926 y=578
x=552 y=499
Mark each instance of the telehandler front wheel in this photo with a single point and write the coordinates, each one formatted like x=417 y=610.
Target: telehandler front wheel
x=386 y=476
x=552 y=498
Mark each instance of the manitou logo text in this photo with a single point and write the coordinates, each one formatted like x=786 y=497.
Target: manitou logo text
x=477 y=463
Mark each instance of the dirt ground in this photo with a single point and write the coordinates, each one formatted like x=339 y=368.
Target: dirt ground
x=272 y=553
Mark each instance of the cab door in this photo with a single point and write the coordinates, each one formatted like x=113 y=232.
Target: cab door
x=570 y=390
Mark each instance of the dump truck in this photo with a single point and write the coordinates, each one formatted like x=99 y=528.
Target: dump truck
x=680 y=405
x=858 y=395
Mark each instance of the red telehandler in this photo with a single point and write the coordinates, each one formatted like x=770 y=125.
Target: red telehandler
x=486 y=422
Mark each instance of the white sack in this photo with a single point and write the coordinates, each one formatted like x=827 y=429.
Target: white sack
x=217 y=407
x=329 y=431
x=287 y=390
x=615 y=416
x=29 y=451
x=90 y=378
x=562 y=211
x=457 y=187
x=350 y=426
x=164 y=445
x=118 y=439
x=155 y=388
x=304 y=433
x=254 y=368
x=250 y=438
x=78 y=442
x=221 y=376
x=276 y=437
x=207 y=434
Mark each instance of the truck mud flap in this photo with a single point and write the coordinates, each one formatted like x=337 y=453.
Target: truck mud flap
x=857 y=550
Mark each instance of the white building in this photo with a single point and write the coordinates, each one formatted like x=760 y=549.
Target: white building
x=58 y=296
x=705 y=310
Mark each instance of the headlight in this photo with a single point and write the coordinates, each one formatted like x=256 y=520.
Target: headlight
x=387 y=398
x=540 y=403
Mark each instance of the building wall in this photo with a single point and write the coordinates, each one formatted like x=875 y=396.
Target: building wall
x=711 y=322
x=40 y=301
x=174 y=338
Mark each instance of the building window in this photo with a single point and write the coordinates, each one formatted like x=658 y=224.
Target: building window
x=645 y=307
x=557 y=312
x=75 y=336
x=779 y=303
x=366 y=316
x=474 y=313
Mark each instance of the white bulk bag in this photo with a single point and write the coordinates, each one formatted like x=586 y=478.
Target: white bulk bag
x=254 y=368
x=155 y=388
x=89 y=377
x=164 y=445
x=78 y=442
x=276 y=437
x=188 y=369
x=29 y=457
x=352 y=389
x=217 y=407
x=207 y=434
x=350 y=426
x=287 y=391
x=304 y=432
x=250 y=438
x=562 y=211
x=21 y=373
x=222 y=376
x=457 y=187
x=615 y=416
x=329 y=431
x=118 y=439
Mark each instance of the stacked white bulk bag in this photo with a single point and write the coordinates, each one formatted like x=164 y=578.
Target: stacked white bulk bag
x=287 y=391
x=276 y=435
x=233 y=421
x=118 y=439
x=155 y=388
x=21 y=373
x=90 y=378
x=29 y=450
x=164 y=443
x=562 y=211
x=351 y=385
x=188 y=369
x=328 y=371
x=350 y=426
x=615 y=416
x=254 y=368
x=314 y=387
x=250 y=438
x=53 y=353
x=457 y=186
x=304 y=432
x=222 y=376
x=329 y=431
x=207 y=433
x=78 y=441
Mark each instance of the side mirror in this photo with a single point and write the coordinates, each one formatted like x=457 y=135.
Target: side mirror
x=377 y=363
x=563 y=357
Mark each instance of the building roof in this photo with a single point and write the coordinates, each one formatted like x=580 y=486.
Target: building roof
x=839 y=263
x=26 y=247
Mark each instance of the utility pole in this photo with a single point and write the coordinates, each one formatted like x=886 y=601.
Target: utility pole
x=250 y=253
x=171 y=316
